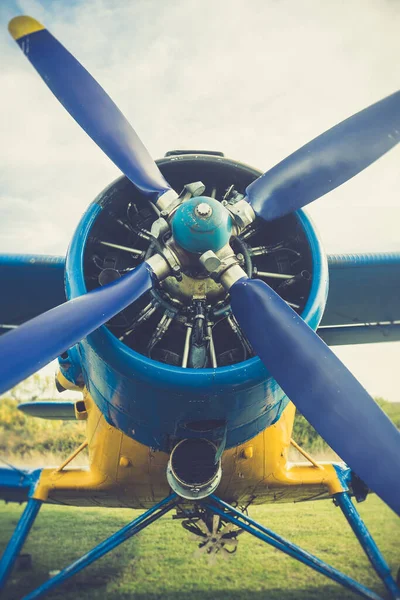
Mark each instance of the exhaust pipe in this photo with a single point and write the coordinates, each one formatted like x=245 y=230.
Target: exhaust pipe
x=192 y=471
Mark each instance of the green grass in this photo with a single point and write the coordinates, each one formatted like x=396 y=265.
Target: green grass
x=306 y=436
x=159 y=562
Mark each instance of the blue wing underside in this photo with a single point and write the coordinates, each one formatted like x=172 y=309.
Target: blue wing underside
x=30 y=285
x=364 y=299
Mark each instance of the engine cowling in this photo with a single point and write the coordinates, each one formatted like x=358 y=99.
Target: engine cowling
x=175 y=364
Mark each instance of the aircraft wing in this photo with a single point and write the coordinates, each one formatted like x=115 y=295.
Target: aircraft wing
x=30 y=284
x=364 y=299
x=17 y=485
x=363 y=302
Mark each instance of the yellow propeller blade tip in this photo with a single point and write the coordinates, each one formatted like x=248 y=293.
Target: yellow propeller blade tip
x=21 y=26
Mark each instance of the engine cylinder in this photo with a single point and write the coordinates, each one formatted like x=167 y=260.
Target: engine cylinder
x=193 y=472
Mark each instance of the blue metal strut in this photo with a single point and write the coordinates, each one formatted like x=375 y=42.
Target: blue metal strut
x=367 y=543
x=18 y=539
x=237 y=518
x=107 y=545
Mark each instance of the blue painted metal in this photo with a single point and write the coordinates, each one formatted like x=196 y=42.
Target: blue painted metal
x=52 y=410
x=35 y=343
x=344 y=474
x=221 y=447
x=351 y=483
x=93 y=110
x=327 y=161
x=363 y=288
x=198 y=234
x=33 y=284
x=243 y=395
x=18 y=538
x=268 y=536
x=107 y=545
x=359 y=334
x=17 y=485
x=321 y=387
x=367 y=543
x=70 y=366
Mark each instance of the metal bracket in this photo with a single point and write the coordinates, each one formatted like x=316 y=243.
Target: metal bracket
x=223 y=267
x=159 y=228
x=169 y=202
x=242 y=213
x=173 y=262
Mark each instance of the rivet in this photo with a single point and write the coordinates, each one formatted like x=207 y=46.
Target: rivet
x=247 y=452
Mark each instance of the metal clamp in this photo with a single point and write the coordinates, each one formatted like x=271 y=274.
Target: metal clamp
x=169 y=202
x=242 y=214
x=224 y=268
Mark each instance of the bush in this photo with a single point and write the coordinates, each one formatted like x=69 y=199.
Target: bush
x=306 y=436
x=22 y=435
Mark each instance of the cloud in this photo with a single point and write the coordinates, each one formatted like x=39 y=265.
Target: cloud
x=256 y=80
x=253 y=79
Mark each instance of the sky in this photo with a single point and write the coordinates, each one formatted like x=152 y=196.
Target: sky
x=255 y=79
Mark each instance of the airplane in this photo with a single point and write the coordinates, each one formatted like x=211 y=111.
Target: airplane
x=193 y=313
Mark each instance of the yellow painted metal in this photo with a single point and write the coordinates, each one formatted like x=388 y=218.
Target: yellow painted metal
x=125 y=473
x=80 y=411
x=305 y=454
x=72 y=456
x=66 y=383
x=20 y=26
x=247 y=452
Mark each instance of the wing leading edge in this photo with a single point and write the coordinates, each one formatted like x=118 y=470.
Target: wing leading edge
x=364 y=299
x=30 y=284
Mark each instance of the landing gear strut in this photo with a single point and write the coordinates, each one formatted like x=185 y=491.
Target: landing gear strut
x=218 y=525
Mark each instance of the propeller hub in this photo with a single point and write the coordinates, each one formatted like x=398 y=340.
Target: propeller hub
x=201 y=224
x=203 y=210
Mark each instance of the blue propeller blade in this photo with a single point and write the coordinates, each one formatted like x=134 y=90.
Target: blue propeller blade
x=38 y=341
x=327 y=161
x=88 y=104
x=321 y=387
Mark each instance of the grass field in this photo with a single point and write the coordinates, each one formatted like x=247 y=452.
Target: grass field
x=159 y=562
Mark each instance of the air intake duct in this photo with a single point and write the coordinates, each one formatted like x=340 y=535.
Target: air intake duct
x=192 y=472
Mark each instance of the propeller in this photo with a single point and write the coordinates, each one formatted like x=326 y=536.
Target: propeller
x=35 y=343
x=88 y=104
x=327 y=161
x=307 y=370
x=321 y=387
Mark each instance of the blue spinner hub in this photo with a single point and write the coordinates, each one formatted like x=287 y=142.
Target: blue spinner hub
x=201 y=224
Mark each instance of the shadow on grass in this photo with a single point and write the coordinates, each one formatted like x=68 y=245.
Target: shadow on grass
x=83 y=588
x=22 y=583
x=329 y=592
x=93 y=580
